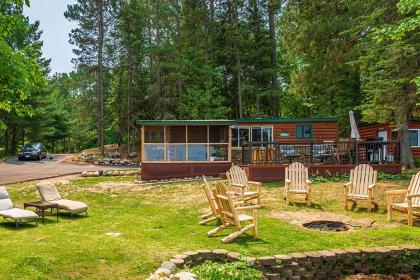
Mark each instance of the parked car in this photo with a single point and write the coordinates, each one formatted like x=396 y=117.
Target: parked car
x=32 y=151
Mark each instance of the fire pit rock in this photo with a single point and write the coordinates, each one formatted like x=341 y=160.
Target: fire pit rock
x=333 y=226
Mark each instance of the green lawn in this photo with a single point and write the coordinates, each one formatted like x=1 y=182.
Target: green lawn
x=160 y=222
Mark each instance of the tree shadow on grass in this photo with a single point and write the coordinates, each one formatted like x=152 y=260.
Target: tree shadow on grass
x=11 y=226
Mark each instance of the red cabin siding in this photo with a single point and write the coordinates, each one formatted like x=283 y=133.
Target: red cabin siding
x=322 y=131
x=371 y=130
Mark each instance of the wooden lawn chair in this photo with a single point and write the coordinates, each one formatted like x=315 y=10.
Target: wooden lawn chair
x=361 y=186
x=213 y=214
x=297 y=182
x=412 y=199
x=229 y=210
x=238 y=183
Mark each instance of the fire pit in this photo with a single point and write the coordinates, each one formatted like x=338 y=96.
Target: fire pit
x=327 y=226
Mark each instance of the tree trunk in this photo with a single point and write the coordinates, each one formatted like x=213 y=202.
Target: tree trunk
x=14 y=141
x=274 y=86
x=100 y=85
x=407 y=159
x=238 y=62
x=129 y=85
x=158 y=66
x=6 y=141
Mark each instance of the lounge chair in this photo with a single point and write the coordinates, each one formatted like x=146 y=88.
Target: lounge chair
x=412 y=199
x=238 y=183
x=297 y=182
x=229 y=214
x=361 y=186
x=50 y=193
x=10 y=212
x=213 y=215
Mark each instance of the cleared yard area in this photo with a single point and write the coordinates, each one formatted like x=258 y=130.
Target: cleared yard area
x=157 y=222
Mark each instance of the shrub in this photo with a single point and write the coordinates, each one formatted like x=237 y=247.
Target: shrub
x=385 y=176
x=239 y=270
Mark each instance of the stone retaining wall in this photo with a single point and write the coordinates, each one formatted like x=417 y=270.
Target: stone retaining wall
x=327 y=264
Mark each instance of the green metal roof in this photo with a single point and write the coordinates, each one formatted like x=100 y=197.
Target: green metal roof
x=286 y=120
x=185 y=122
x=230 y=122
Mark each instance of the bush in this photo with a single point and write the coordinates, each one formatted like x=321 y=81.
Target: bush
x=239 y=270
x=385 y=176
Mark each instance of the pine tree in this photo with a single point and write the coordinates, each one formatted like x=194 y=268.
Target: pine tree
x=93 y=39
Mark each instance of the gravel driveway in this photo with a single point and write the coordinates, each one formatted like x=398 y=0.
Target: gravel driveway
x=13 y=171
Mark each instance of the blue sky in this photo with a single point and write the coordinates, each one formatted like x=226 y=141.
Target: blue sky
x=56 y=29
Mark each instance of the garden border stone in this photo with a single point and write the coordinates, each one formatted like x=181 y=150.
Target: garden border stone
x=331 y=264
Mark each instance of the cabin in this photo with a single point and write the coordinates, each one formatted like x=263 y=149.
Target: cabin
x=190 y=148
x=385 y=132
x=263 y=147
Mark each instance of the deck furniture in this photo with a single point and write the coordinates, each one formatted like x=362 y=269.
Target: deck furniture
x=342 y=152
x=361 y=186
x=213 y=214
x=411 y=201
x=229 y=214
x=238 y=183
x=297 y=182
x=41 y=207
x=50 y=194
x=10 y=212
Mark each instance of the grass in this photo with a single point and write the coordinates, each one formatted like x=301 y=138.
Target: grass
x=159 y=222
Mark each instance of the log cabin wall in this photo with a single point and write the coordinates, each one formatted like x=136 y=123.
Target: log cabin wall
x=321 y=130
x=371 y=130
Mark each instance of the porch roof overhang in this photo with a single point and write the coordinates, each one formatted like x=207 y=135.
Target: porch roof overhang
x=231 y=122
x=184 y=122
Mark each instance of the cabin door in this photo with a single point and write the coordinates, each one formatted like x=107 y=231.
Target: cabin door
x=383 y=151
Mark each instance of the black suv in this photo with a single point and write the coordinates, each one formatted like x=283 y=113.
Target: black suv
x=32 y=151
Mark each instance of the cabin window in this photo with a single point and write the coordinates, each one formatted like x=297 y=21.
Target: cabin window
x=304 y=131
x=244 y=134
x=240 y=135
x=414 y=135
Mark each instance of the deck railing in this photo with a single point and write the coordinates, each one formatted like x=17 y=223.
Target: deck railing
x=341 y=152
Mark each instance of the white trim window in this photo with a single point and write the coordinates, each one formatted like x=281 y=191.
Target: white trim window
x=245 y=134
x=414 y=136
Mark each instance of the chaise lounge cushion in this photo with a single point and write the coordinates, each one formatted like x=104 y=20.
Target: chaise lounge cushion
x=48 y=192
x=5 y=202
x=18 y=214
x=71 y=205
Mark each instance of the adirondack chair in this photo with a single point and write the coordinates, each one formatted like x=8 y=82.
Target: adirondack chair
x=361 y=186
x=412 y=199
x=297 y=182
x=238 y=183
x=229 y=210
x=213 y=214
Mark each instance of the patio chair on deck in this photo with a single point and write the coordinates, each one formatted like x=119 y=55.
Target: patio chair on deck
x=411 y=201
x=50 y=193
x=297 y=182
x=9 y=211
x=213 y=215
x=361 y=186
x=229 y=214
x=238 y=183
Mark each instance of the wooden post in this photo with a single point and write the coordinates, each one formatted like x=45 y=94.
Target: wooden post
x=311 y=152
x=208 y=143
x=164 y=143
x=142 y=143
x=186 y=142
x=230 y=145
